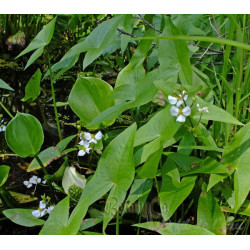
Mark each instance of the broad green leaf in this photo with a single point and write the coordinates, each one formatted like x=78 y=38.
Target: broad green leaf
x=162 y=125
x=90 y=222
x=207 y=166
x=174 y=55
x=142 y=154
x=209 y=214
x=4 y=173
x=96 y=42
x=24 y=135
x=184 y=162
x=32 y=89
x=89 y=97
x=172 y=187
x=149 y=168
x=215 y=113
x=50 y=154
x=57 y=222
x=23 y=217
x=139 y=191
x=244 y=209
x=4 y=85
x=42 y=39
x=174 y=228
x=115 y=170
x=132 y=73
x=145 y=91
x=58 y=175
x=237 y=156
x=34 y=56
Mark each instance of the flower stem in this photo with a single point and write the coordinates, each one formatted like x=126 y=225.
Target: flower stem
x=48 y=179
x=6 y=110
x=54 y=101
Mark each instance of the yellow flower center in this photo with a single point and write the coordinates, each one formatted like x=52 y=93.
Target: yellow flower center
x=93 y=136
x=180 y=112
x=178 y=98
x=84 y=148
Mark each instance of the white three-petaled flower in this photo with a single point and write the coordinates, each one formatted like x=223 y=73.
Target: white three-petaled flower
x=204 y=109
x=41 y=210
x=2 y=127
x=179 y=100
x=28 y=184
x=84 y=149
x=180 y=113
x=35 y=180
x=93 y=138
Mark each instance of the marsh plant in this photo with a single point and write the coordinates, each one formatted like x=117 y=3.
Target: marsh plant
x=159 y=132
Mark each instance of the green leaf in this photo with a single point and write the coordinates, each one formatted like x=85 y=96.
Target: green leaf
x=34 y=56
x=139 y=191
x=149 y=168
x=215 y=113
x=42 y=39
x=174 y=228
x=57 y=222
x=209 y=214
x=4 y=173
x=23 y=217
x=32 y=89
x=90 y=222
x=89 y=97
x=162 y=125
x=24 y=135
x=4 y=85
x=172 y=187
x=145 y=91
x=174 y=55
x=58 y=175
x=237 y=156
x=115 y=171
x=96 y=42
x=50 y=154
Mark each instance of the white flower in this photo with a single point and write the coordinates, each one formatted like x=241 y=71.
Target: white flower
x=2 y=127
x=204 y=109
x=44 y=182
x=35 y=180
x=84 y=149
x=180 y=113
x=41 y=210
x=28 y=184
x=93 y=138
x=179 y=100
x=50 y=209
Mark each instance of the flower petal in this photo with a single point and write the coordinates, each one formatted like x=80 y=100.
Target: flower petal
x=87 y=150
x=50 y=209
x=26 y=183
x=185 y=97
x=174 y=111
x=36 y=213
x=181 y=118
x=186 y=111
x=172 y=100
x=179 y=103
x=93 y=140
x=98 y=136
x=29 y=185
x=87 y=135
x=42 y=205
x=81 y=153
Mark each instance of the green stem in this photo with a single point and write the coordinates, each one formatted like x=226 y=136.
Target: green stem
x=54 y=101
x=117 y=223
x=48 y=179
x=139 y=221
x=6 y=110
x=156 y=184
